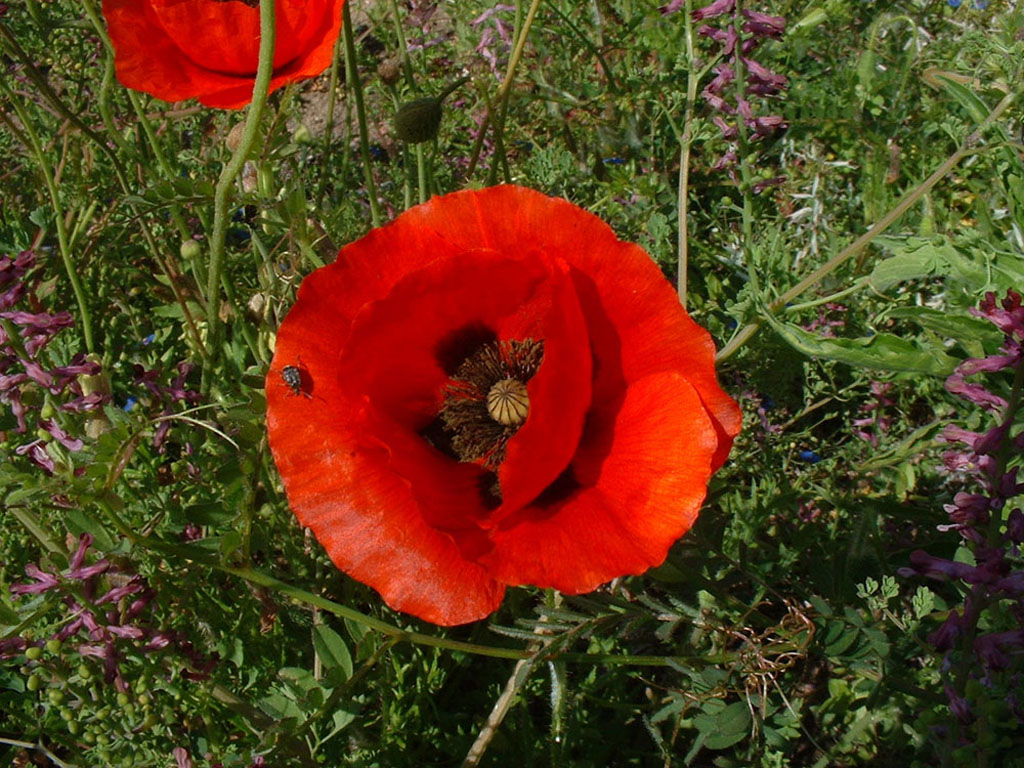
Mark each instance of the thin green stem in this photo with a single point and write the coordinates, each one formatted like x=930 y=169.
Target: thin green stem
x=613 y=85
x=683 y=199
x=332 y=99
x=108 y=76
x=421 y=172
x=161 y=160
x=225 y=184
x=744 y=151
x=353 y=80
x=103 y=104
x=908 y=201
x=28 y=133
x=403 y=47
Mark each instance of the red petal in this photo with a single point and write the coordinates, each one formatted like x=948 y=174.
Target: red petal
x=559 y=400
x=393 y=361
x=636 y=324
x=642 y=474
x=364 y=515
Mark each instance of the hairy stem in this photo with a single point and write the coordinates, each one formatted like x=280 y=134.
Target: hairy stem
x=352 y=78
x=222 y=192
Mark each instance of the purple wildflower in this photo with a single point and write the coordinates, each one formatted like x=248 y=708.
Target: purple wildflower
x=876 y=420
x=28 y=377
x=100 y=634
x=716 y=8
x=996 y=590
x=735 y=52
x=493 y=32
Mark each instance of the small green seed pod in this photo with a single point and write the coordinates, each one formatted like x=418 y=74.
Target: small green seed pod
x=190 y=250
x=418 y=121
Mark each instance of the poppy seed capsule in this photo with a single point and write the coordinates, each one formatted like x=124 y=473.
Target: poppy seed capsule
x=508 y=403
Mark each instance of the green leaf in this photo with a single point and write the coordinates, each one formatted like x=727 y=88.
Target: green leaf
x=79 y=521
x=726 y=727
x=8 y=617
x=332 y=649
x=966 y=97
x=883 y=351
x=842 y=644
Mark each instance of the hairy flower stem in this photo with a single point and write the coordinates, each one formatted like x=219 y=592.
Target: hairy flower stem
x=352 y=79
x=682 y=201
x=29 y=134
x=421 y=172
x=332 y=99
x=908 y=201
x=222 y=192
x=505 y=87
x=403 y=46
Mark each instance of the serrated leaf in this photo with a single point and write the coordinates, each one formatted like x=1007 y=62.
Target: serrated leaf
x=883 y=351
x=917 y=258
x=332 y=649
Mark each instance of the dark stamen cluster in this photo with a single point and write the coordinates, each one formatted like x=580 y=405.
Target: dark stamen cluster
x=476 y=435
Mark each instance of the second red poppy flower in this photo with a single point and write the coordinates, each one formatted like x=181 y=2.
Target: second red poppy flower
x=209 y=49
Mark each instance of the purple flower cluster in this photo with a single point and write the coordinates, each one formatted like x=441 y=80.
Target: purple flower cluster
x=876 y=419
x=176 y=392
x=994 y=535
x=103 y=631
x=25 y=374
x=497 y=29
x=736 y=54
x=830 y=317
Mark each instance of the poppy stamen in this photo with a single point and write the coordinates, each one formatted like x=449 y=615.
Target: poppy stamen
x=486 y=401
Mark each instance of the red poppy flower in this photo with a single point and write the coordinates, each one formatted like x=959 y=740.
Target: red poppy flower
x=494 y=390
x=209 y=49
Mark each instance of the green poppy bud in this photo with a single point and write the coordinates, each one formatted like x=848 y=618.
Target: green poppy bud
x=418 y=121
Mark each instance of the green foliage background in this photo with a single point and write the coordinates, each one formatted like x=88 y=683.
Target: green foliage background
x=778 y=633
